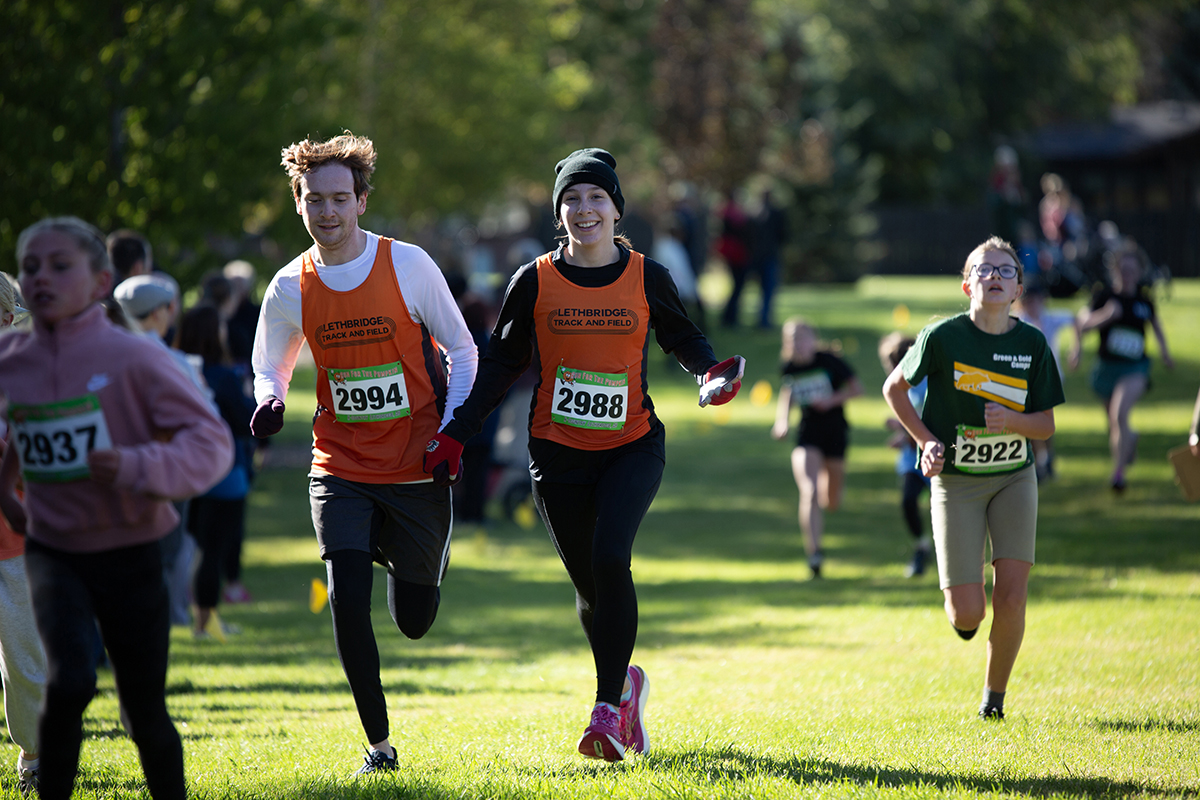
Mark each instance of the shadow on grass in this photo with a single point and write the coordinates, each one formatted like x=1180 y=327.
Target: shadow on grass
x=1148 y=725
x=730 y=764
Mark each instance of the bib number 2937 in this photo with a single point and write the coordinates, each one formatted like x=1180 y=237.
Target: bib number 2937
x=54 y=439
x=590 y=399
x=978 y=451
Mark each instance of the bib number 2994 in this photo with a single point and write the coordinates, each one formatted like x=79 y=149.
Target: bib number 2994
x=590 y=399
x=369 y=394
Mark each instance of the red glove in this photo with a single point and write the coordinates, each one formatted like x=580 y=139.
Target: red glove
x=721 y=383
x=268 y=418
x=443 y=460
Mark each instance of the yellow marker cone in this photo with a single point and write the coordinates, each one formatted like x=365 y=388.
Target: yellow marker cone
x=214 y=628
x=760 y=394
x=525 y=515
x=317 y=595
x=901 y=315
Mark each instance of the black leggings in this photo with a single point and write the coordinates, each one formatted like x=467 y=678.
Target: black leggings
x=413 y=608
x=217 y=525
x=910 y=496
x=593 y=526
x=123 y=590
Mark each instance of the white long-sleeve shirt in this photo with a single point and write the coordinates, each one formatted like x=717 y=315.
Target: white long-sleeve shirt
x=279 y=337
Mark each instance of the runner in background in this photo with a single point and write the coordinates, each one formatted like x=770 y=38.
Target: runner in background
x=1122 y=373
x=993 y=385
x=371 y=310
x=22 y=662
x=818 y=383
x=892 y=348
x=582 y=316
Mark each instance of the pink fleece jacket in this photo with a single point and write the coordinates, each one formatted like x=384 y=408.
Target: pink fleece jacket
x=172 y=444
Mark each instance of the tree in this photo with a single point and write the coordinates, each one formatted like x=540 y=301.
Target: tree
x=166 y=117
x=709 y=94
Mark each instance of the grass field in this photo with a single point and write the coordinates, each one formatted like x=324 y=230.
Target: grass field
x=763 y=684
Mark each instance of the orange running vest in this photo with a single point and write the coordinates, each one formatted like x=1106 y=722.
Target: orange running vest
x=591 y=343
x=350 y=333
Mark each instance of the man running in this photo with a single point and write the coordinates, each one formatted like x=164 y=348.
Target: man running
x=374 y=312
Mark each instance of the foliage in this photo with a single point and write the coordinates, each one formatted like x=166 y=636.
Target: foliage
x=168 y=116
x=460 y=97
x=155 y=115
x=943 y=82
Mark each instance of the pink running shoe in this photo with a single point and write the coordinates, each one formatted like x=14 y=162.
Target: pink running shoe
x=602 y=738
x=633 y=727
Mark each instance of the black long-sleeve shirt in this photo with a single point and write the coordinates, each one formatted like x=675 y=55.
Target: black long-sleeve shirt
x=512 y=346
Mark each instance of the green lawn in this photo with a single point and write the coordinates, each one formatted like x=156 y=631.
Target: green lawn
x=764 y=684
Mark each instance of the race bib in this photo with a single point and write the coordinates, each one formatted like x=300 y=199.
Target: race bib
x=53 y=440
x=1126 y=343
x=589 y=399
x=977 y=451
x=810 y=387
x=369 y=394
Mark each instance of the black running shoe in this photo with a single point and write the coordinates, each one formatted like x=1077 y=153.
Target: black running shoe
x=966 y=636
x=377 y=761
x=991 y=712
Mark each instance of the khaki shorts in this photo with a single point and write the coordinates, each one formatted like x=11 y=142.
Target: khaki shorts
x=972 y=511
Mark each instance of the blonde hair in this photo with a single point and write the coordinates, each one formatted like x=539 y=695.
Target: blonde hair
x=8 y=298
x=993 y=244
x=356 y=153
x=787 y=347
x=87 y=236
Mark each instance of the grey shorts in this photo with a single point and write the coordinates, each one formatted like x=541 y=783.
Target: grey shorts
x=972 y=511
x=404 y=526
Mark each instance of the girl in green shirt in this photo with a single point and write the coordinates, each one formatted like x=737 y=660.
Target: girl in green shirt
x=993 y=385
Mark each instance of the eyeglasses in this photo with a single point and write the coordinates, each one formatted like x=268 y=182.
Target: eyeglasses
x=988 y=270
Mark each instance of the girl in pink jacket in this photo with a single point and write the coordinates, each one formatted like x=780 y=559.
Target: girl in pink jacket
x=105 y=431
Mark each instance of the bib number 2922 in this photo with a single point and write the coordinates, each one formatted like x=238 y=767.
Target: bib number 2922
x=978 y=451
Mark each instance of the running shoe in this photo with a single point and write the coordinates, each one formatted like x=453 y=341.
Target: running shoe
x=814 y=563
x=602 y=738
x=917 y=567
x=991 y=713
x=236 y=593
x=633 y=726
x=377 y=761
x=27 y=781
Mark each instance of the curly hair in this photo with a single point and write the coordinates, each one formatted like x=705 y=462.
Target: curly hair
x=357 y=153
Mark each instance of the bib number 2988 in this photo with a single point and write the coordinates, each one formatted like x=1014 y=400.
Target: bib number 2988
x=590 y=399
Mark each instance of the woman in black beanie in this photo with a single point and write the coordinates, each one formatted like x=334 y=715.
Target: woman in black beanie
x=582 y=316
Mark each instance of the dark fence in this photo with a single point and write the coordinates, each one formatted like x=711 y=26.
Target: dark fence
x=927 y=241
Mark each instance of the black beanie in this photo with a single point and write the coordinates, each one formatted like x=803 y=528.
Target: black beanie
x=589 y=165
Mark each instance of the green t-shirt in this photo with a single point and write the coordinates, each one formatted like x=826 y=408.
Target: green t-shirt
x=966 y=368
